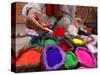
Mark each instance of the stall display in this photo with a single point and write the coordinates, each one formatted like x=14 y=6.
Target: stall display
x=50 y=37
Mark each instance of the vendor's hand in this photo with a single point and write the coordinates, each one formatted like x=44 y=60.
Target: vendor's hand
x=44 y=27
x=49 y=31
x=45 y=24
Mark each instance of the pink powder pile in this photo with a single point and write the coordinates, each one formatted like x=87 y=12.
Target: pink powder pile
x=85 y=57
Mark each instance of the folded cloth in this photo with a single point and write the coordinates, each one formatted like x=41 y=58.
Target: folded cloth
x=31 y=32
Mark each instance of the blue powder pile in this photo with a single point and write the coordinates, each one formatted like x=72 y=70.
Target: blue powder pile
x=53 y=56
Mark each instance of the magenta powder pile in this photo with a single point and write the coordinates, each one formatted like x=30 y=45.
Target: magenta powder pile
x=85 y=57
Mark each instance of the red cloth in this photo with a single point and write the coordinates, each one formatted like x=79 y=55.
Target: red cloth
x=55 y=8
x=51 y=9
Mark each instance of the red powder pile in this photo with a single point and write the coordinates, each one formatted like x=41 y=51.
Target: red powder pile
x=59 y=31
x=29 y=57
x=64 y=46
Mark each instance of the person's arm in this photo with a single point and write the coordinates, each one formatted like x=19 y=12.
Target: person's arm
x=72 y=11
x=32 y=22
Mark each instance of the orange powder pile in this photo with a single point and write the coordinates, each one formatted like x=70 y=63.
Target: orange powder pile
x=29 y=57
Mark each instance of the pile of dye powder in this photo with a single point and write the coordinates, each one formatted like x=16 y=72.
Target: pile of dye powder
x=59 y=31
x=84 y=56
x=77 y=41
x=29 y=57
x=49 y=41
x=53 y=56
x=71 y=60
x=64 y=46
x=36 y=41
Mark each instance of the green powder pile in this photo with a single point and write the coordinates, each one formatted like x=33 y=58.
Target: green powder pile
x=49 y=41
x=71 y=60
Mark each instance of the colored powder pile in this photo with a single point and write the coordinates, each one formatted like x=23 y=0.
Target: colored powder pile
x=71 y=60
x=77 y=41
x=29 y=57
x=64 y=46
x=49 y=41
x=35 y=41
x=53 y=56
x=85 y=57
x=59 y=31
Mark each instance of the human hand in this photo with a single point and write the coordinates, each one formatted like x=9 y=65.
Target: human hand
x=50 y=31
x=45 y=24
